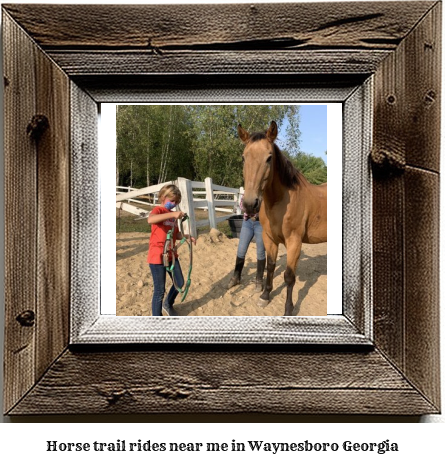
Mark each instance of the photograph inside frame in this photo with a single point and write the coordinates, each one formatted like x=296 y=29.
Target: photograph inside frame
x=221 y=210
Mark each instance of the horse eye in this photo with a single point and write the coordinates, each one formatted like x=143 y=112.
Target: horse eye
x=242 y=158
x=269 y=159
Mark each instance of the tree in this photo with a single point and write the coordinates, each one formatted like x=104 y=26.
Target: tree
x=217 y=148
x=156 y=143
x=293 y=132
x=133 y=143
x=313 y=168
x=153 y=144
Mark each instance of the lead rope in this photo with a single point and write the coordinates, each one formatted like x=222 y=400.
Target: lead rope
x=165 y=256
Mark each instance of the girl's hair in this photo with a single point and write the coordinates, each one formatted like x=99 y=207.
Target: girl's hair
x=169 y=191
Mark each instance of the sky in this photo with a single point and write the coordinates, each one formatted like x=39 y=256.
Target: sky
x=313 y=127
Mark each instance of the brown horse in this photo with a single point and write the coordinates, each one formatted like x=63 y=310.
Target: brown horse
x=292 y=210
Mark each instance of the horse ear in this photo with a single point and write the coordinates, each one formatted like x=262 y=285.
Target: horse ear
x=272 y=132
x=243 y=134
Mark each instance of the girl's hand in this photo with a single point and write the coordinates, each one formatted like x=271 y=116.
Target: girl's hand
x=160 y=217
x=177 y=215
x=187 y=236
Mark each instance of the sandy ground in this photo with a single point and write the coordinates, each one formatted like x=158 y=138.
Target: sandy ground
x=213 y=263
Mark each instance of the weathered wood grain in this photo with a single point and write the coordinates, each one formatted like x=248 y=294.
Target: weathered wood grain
x=85 y=208
x=422 y=364
x=37 y=214
x=389 y=158
x=388 y=268
x=276 y=45
x=20 y=213
x=406 y=207
x=165 y=39
x=53 y=194
x=111 y=88
x=388 y=153
x=406 y=276
x=214 y=381
x=356 y=214
x=407 y=114
x=242 y=26
x=423 y=92
x=129 y=63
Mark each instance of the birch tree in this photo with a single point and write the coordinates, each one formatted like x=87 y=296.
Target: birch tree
x=217 y=149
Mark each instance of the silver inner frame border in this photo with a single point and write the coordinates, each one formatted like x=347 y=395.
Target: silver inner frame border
x=352 y=327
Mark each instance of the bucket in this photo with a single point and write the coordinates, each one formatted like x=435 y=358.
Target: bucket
x=235 y=223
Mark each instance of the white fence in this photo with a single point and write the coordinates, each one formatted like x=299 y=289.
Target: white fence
x=145 y=196
x=195 y=195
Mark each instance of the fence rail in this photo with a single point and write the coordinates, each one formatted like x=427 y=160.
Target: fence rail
x=191 y=200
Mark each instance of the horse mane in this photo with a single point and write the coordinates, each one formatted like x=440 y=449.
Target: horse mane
x=288 y=174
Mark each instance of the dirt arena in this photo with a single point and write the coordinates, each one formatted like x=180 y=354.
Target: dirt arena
x=213 y=262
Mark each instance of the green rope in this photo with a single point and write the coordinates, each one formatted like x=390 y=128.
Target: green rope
x=170 y=268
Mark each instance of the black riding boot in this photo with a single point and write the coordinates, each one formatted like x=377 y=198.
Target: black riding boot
x=260 y=265
x=236 y=278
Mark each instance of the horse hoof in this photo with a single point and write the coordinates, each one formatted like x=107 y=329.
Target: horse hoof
x=262 y=303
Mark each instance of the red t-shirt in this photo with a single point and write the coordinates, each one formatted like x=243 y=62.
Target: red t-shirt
x=159 y=235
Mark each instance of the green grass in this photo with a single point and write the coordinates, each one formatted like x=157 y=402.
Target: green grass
x=224 y=228
x=127 y=223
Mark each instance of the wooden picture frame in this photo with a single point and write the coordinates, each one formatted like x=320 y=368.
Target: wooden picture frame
x=56 y=72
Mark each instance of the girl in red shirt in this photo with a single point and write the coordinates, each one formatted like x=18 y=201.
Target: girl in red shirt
x=162 y=220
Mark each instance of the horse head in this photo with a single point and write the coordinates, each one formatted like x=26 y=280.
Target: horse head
x=258 y=164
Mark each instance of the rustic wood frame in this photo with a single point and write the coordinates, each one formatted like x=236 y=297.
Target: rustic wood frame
x=67 y=57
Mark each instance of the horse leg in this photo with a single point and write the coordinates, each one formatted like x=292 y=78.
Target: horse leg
x=271 y=253
x=293 y=254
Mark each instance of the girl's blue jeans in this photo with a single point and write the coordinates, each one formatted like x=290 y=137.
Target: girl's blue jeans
x=159 y=274
x=250 y=229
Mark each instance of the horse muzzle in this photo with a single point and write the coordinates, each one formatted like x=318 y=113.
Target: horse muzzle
x=252 y=206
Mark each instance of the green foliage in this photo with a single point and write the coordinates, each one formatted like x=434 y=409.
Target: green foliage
x=156 y=143
x=217 y=148
x=153 y=144
x=215 y=145
x=313 y=168
x=293 y=132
